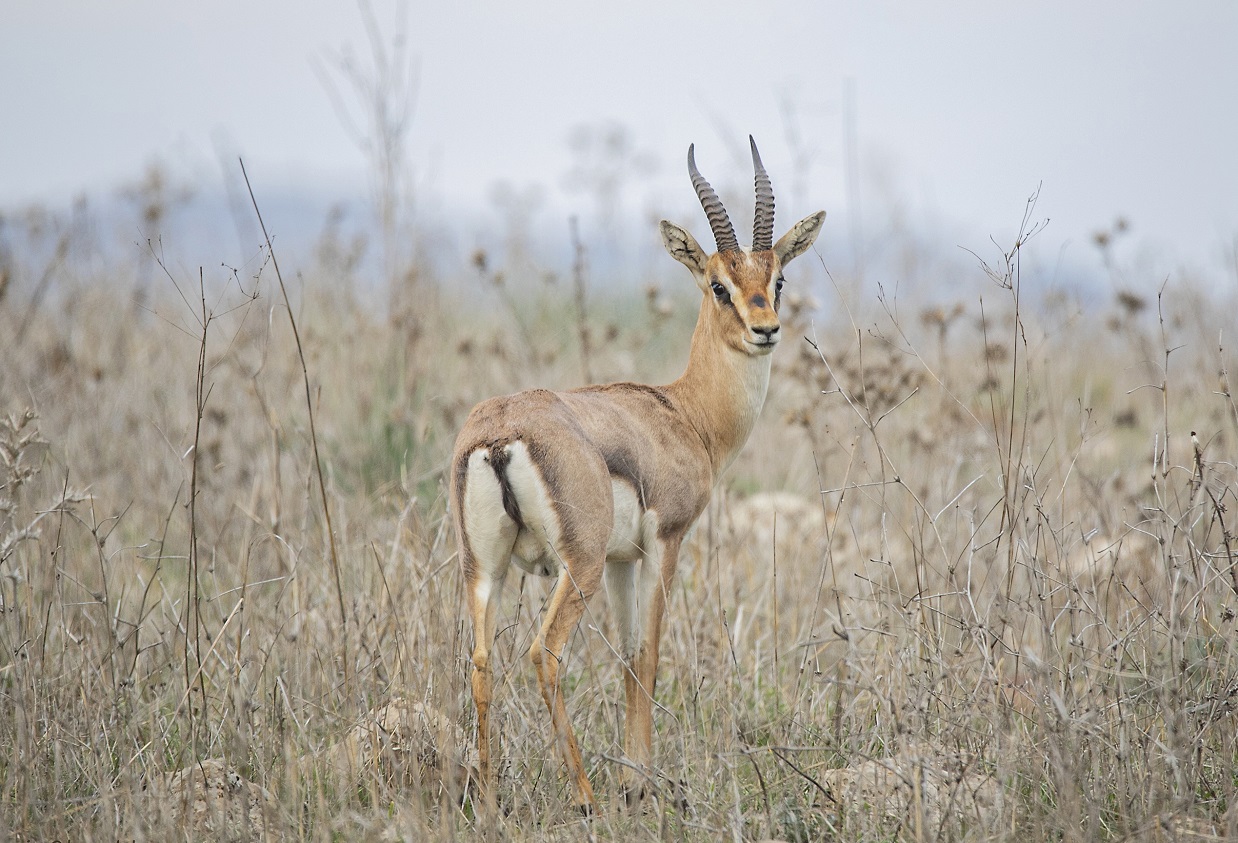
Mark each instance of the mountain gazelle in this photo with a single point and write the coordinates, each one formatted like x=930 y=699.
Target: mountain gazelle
x=609 y=479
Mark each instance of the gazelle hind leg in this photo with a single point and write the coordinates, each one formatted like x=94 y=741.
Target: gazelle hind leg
x=484 y=597
x=487 y=535
x=567 y=604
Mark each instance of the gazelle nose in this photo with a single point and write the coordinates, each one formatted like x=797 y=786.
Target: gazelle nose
x=767 y=332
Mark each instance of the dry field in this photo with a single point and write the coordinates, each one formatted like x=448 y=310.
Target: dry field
x=973 y=578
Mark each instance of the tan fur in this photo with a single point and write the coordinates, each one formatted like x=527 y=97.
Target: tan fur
x=669 y=444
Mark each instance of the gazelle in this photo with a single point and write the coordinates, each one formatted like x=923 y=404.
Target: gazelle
x=607 y=480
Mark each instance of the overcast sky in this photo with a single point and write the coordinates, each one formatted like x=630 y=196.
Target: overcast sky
x=960 y=108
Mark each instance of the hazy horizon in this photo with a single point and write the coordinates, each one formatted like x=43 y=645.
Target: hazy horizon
x=941 y=120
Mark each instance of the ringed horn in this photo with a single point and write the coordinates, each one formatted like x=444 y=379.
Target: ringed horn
x=720 y=223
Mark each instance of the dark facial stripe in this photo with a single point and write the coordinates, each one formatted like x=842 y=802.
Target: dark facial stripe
x=757 y=301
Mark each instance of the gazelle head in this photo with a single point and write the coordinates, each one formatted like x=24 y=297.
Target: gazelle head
x=745 y=285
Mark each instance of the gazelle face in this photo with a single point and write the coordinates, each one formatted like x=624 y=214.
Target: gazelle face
x=745 y=284
x=746 y=289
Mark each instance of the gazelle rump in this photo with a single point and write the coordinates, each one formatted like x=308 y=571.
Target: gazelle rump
x=605 y=481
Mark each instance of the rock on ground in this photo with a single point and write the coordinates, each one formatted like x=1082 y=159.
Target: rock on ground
x=211 y=799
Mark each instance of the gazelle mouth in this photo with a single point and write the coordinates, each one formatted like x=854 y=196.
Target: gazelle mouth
x=764 y=346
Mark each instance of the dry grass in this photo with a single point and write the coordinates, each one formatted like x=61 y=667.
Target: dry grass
x=992 y=599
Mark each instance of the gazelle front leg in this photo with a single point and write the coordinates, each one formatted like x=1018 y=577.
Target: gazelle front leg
x=567 y=604
x=641 y=676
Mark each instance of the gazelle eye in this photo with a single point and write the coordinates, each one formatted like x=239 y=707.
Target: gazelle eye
x=720 y=292
x=778 y=286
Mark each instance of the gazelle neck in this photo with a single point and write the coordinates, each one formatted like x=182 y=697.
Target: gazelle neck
x=722 y=390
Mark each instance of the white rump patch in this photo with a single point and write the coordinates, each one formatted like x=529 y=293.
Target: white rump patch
x=491 y=532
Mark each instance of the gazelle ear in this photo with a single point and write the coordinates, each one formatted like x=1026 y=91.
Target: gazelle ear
x=684 y=248
x=792 y=244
